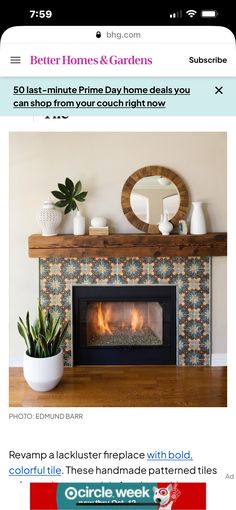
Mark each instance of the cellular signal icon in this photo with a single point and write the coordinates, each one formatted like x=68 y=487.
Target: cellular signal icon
x=191 y=13
x=177 y=14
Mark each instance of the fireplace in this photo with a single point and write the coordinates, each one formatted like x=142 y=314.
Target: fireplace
x=124 y=325
x=190 y=276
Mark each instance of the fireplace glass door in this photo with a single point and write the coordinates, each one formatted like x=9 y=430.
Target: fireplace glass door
x=124 y=324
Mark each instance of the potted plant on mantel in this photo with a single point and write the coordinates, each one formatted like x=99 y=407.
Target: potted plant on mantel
x=43 y=359
x=68 y=196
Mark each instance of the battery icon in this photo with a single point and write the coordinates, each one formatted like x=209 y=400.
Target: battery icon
x=209 y=14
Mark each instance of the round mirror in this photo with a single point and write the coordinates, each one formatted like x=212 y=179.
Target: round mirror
x=152 y=196
x=151 y=191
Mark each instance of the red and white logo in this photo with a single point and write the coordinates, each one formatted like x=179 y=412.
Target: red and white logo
x=164 y=497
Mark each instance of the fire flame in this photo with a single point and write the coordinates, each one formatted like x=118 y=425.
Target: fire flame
x=137 y=319
x=103 y=322
x=103 y=319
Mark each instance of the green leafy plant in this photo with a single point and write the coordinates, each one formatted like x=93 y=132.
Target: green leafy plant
x=69 y=194
x=44 y=338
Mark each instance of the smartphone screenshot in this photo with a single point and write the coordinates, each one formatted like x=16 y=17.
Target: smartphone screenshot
x=118 y=260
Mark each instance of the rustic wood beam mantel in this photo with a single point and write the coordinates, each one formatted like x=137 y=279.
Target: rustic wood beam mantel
x=128 y=245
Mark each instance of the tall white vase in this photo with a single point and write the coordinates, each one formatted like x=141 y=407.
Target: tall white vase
x=79 y=224
x=198 y=222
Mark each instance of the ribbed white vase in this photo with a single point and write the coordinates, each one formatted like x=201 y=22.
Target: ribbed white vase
x=198 y=222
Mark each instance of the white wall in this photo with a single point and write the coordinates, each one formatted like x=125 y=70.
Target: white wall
x=103 y=161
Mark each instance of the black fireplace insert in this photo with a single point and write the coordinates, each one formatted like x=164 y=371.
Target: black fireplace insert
x=124 y=325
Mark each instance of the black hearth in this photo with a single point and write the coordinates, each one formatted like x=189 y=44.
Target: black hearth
x=124 y=325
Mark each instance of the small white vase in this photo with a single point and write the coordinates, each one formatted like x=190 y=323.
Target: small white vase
x=43 y=374
x=165 y=226
x=79 y=224
x=198 y=222
x=49 y=218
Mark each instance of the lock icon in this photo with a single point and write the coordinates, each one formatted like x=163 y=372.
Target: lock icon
x=98 y=34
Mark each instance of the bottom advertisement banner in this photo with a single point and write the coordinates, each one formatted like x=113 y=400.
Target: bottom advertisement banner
x=143 y=496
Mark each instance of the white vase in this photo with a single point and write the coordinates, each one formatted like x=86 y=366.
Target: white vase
x=49 y=218
x=43 y=374
x=79 y=224
x=198 y=222
x=165 y=226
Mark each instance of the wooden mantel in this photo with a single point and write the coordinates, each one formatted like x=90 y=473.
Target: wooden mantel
x=128 y=245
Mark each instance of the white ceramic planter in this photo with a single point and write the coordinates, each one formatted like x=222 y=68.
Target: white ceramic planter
x=43 y=374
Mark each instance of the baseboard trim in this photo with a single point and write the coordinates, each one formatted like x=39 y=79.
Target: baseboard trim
x=219 y=359
x=16 y=362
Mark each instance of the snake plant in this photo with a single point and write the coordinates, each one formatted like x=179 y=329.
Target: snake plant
x=44 y=338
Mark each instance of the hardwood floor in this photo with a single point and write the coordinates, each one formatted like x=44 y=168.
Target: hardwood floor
x=126 y=386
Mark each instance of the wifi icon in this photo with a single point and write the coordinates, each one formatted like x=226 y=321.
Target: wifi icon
x=191 y=13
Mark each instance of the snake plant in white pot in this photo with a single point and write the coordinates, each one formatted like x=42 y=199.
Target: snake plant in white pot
x=43 y=359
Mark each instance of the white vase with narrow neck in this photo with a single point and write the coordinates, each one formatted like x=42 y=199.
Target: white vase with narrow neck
x=79 y=224
x=198 y=222
x=165 y=226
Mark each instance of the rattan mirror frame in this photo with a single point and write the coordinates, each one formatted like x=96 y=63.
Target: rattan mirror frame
x=149 y=171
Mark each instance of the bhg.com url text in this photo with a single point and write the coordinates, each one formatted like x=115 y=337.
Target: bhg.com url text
x=124 y=35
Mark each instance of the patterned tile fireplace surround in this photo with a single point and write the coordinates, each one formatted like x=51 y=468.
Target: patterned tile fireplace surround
x=190 y=275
